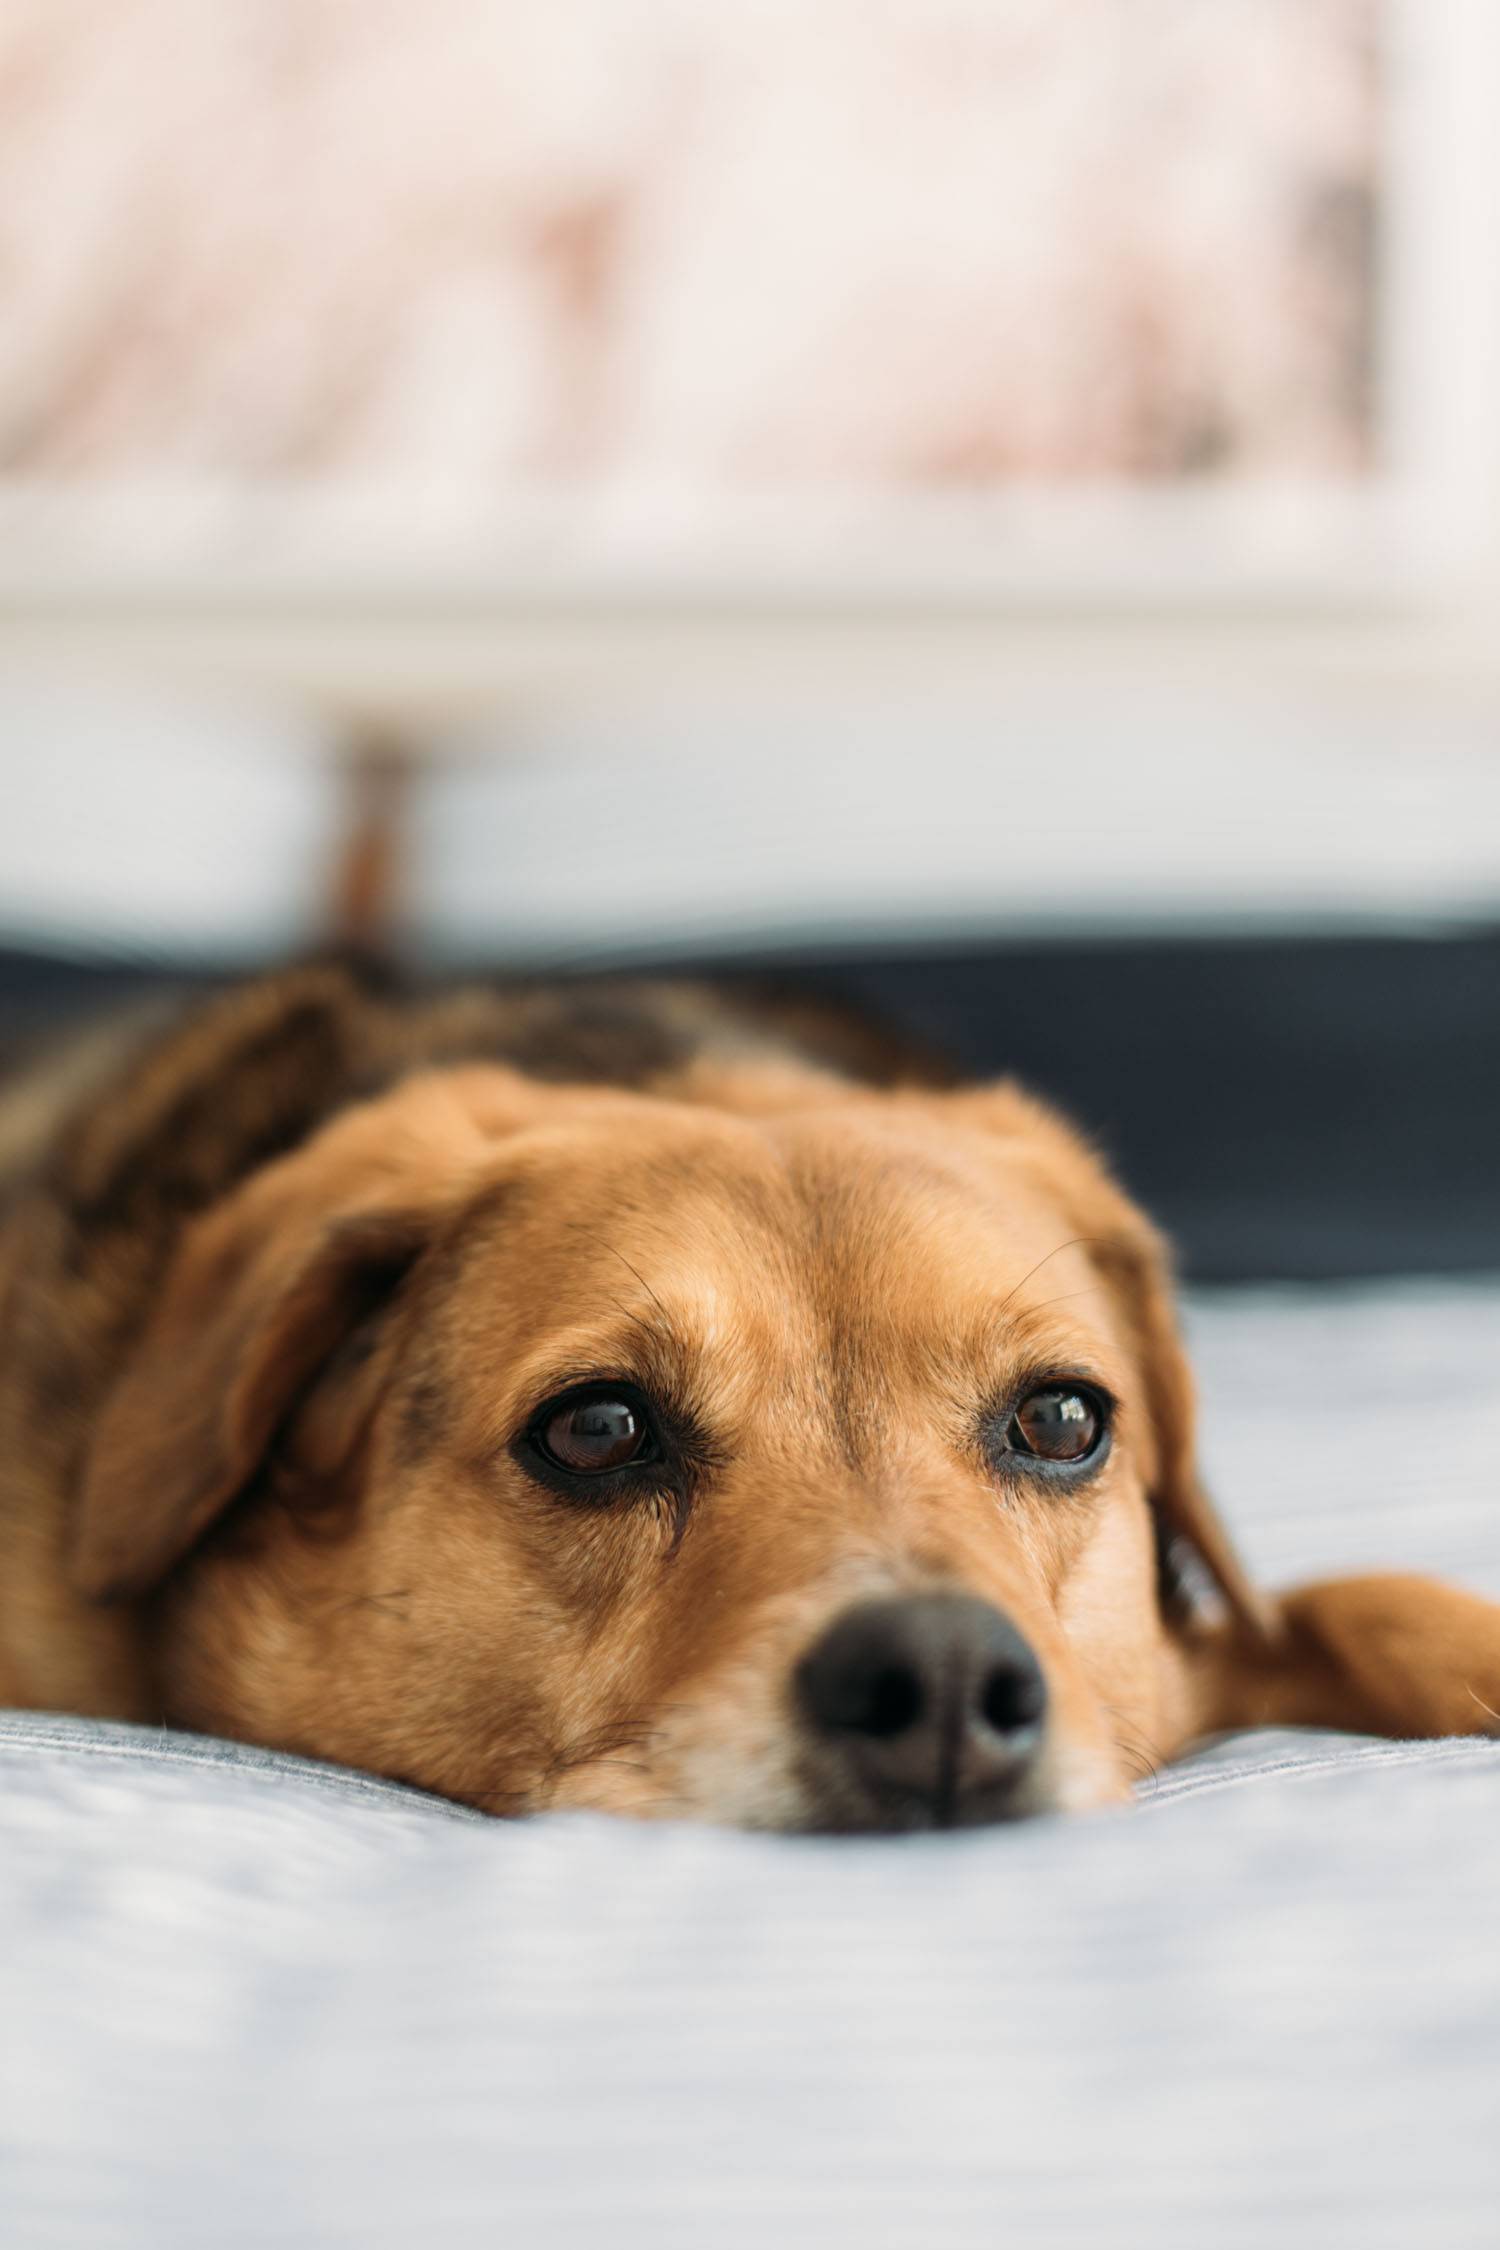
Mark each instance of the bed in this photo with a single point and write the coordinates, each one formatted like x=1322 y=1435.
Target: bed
x=248 y=1999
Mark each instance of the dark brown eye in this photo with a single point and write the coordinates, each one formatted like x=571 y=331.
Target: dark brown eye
x=1057 y=1424
x=587 y=1436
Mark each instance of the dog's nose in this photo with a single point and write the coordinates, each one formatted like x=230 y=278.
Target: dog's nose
x=933 y=1704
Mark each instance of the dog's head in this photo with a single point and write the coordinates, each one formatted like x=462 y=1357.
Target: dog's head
x=780 y=1453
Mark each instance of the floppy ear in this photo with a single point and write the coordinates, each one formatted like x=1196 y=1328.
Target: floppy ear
x=1133 y=1260
x=259 y=1295
x=1379 y=1655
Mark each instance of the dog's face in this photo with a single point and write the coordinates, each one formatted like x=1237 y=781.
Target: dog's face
x=795 y=1458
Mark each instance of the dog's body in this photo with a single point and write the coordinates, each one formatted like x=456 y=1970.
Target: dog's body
x=580 y=1398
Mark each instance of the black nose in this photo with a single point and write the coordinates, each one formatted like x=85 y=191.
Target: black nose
x=932 y=1704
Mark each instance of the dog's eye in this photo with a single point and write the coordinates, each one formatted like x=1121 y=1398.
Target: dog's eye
x=1058 y=1423
x=587 y=1436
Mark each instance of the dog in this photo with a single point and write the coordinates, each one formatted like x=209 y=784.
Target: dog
x=611 y=1398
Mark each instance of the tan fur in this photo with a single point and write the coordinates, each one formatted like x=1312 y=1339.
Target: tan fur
x=277 y=1309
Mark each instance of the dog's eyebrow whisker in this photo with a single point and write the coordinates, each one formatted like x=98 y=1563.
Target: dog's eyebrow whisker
x=1074 y=1242
x=1488 y=1709
x=636 y=1320
x=639 y=1276
x=995 y=1337
x=1067 y=1298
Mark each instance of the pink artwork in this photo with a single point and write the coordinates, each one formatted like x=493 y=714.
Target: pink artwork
x=478 y=248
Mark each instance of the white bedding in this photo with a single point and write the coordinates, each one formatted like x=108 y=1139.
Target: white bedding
x=244 y=2000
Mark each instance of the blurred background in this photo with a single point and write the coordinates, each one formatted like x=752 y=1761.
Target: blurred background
x=987 y=507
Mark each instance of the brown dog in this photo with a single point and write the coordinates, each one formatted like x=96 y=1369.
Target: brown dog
x=579 y=1400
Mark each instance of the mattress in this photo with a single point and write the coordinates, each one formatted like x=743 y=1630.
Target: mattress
x=247 y=1999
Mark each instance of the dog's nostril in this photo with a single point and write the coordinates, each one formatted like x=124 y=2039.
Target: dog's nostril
x=1012 y=1698
x=852 y=1692
x=895 y=1702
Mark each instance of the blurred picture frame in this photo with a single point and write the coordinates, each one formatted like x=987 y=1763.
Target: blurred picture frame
x=1399 y=525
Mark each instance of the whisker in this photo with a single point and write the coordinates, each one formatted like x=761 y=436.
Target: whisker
x=1144 y=1759
x=1140 y=1762
x=503 y=1804
x=1074 y=1242
x=640 y=1277
x=1068 y=1296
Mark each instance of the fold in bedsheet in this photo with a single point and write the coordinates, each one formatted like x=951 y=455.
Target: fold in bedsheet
x=250 y=2000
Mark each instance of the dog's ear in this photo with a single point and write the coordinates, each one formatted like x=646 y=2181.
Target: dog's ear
x=1135 y=1266
x=260 y=1294
x=1377 y=1655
